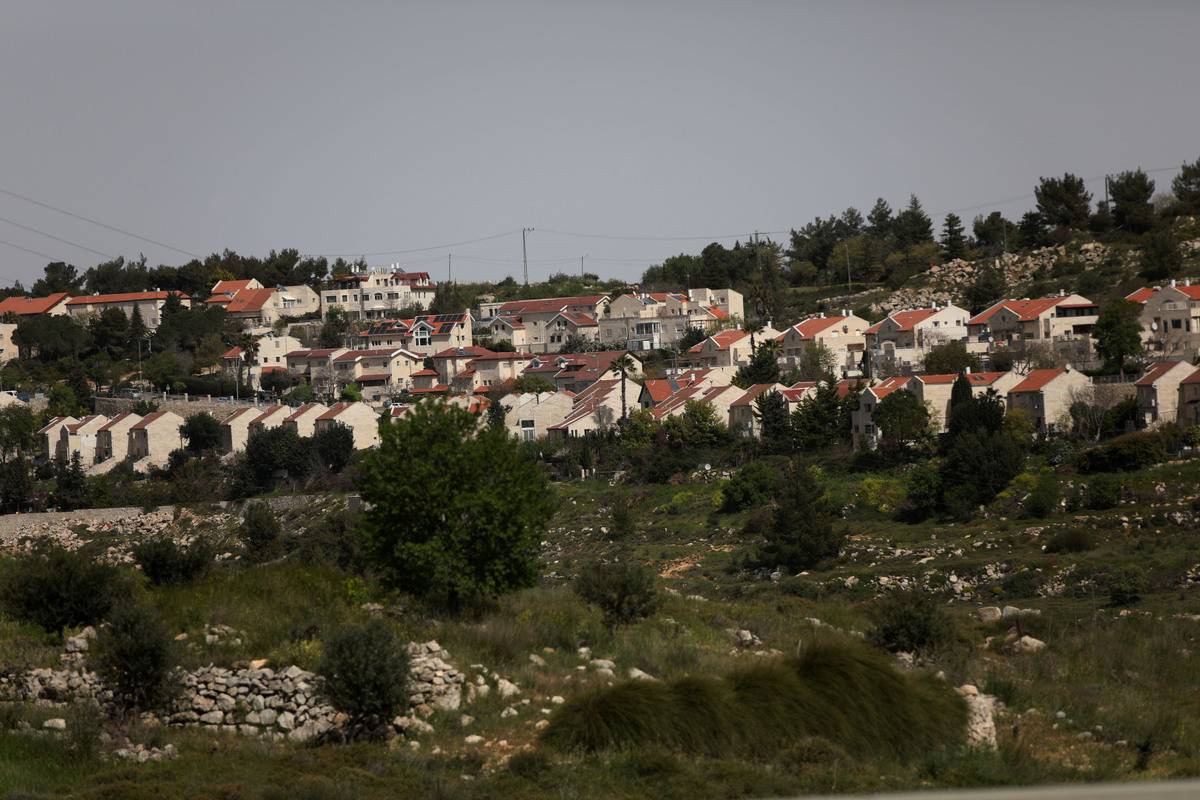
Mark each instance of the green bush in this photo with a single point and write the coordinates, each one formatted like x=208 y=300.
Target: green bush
x=1074 y=540
x=135 y=656
x=1023 y=583
x=366 y=672
x=839 y=691
x=1125 y=584
x=56 y=588
x=801 y=533
x=751 y=486
x=624 y=592
x=1127 y=453
x=164 y=562
x=912 y=623
x=1103 y=492
x=1043 y=500
x=260 y=533
x=623 y=522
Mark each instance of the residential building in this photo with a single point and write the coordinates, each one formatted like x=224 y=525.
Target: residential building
x=537 y=316
x=530 y=415
x=580 y=370
x=1158 y=391
x=841 y=334
x=50 y=434
x=80 y=437
x=1045 y=396
x=643 y=321
x=491 y=371
x=657 y=390
x=1058 y=317
x=863 y=429
x=380 y=293
x=8 y=348
x=112 y=441
x=146 y=304
x=719 y=397
x=361 y=420
x=316 y=366
x=303 y=419
x=901 y=340
x=53 y=304
x=598 y=407
x=452 y=361
x=378 y=373
x=935 y=390
x=153 y=438
x=235 y=429
x=271 y=417
x=743 y=412
x=1171 y=320
x=1188 y=408
x=424 y=335
x=728 y=348
x=257 y=307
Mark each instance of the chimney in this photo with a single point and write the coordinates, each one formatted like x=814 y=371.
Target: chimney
x=1187 y=281
x=845 y=312
x=1172 y=283
x=1062 y=292
x=967 y=370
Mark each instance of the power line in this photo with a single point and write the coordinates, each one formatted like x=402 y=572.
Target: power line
x=652 y=238
x=91 y=221
x=414 y=249
x=55 y=238
x=27 y=250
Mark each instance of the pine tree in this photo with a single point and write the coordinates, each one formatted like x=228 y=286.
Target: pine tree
x=913 y=225
x=880 y=221
x=774 y=422
x=954 y=243
x=1186 y=187
x=1131 y=192
x=801 y=532
x=1063 y=202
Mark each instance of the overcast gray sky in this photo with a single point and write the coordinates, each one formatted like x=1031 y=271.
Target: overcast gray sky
x=361 y=127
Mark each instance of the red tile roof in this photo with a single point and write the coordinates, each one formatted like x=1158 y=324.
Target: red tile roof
x=251 y=414
x=248 y=301
x=148 y=420
x=335 y=410
x=374 y=377
x=809 y=328
x=231 y=287
x=1142 y=295
x=722 y=339
x=30 y=306
x=468 y=352
x=548 y=305
x=845 y=385
x=112 y=423
x=378 y=352
x=1156 y=371
x=752 y=394
x=888 y=385
x=1036 y=380
x=303 y=410
x=233 y=352
x=1192 y=290
x=1193 y=378
x=905 y=320
x=658 y=389
x=127 y=297
x=424 y=373
x=1026 y=310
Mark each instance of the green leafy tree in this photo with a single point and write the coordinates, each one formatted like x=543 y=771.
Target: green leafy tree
x=496 y=411
x=816 y=422
x=1063 y=202
x=801 y=532
x=1186 y=187
x=18 y=431
x=532 y=384
x=902 y=420
x=454 y=513
x=994 y=233
x=1032 y=230
x=880 y=220
x=202 y=433
x=351 y=393
x=817 y=362
x=698 y=426
x=913 y=225
x=260 y=534
x=163 y=370
x=774 y=421
x=366 y=674
x=954 y=240
x=335 y=329
x=16 y=485
x=58 y=277
x=1118 y=333
x=950 y=358
x=1131 y=192
x=763 y=366
x=135 y=656
x=61 y=401
x=623 y=365
x=70 y=484
x=978 y=465
x=988 y=287
x=1161 y=257
x=50 y=338
x=110 y=332
x=333 y=446
x=624 y=592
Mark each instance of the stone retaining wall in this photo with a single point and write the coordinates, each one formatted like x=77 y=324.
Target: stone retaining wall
x=183 y=406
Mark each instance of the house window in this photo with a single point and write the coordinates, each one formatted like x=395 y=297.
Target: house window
x=331 y=298
x=379 y=295
x=421 y=338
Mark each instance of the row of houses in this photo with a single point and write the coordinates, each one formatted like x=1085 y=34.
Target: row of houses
x=102 y=443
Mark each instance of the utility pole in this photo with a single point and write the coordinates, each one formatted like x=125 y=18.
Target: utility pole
x=581 y=258
x=525 y=253
x=847 y=248
x=449 y=267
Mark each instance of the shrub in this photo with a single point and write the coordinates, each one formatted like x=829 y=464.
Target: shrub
x=333 y=446
x=624 y=592
x=530 y=764
x=164 y=562
x=801 y=532
x=56 y=588
x=623 y=522
x=1127 y=453
x=1075 y=540
x=912 y=623
x=454 y=513
x=1043 y=500
x=1024 y=583
x=751 y=486
x=135 y=656
x=1125 y=585
x=924 y=491
x=882 y=494
x=840 y=691
x=260 y=533
x=366 y=672
x=1103 y=492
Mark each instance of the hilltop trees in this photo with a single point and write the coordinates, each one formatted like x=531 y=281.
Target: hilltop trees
x=1186 y=187
x=454 y=511
x=1131 y=192
x=954 y=243
x=1063 y=202
x=1118 y=333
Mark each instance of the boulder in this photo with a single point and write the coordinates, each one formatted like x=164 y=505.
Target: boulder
x=989 y=614
x=1028 y=644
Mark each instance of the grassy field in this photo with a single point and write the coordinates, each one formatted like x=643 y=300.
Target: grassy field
x=1113 y=695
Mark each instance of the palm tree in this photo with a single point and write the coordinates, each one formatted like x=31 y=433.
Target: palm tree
x=623 y=364
x=249 y=344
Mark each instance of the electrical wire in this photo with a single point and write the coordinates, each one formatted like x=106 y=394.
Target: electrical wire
x=55 y=238
x=96 y=222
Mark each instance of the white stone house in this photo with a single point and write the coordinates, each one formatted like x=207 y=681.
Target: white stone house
x=154 y=437
x=49 y=435
x=359 y=418
x=1158 y=392
x=303 y=419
